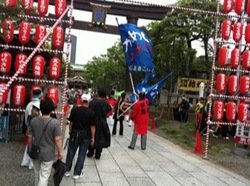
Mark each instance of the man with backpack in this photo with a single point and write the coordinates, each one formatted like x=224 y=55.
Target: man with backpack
x=32 y=110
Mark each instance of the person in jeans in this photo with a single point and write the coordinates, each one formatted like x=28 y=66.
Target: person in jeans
x=82 y=132
x=140 y=116
x=50 y=138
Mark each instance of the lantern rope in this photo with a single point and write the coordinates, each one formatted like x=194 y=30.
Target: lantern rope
x=64 y=96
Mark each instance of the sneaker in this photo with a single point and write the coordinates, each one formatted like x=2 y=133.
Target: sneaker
x=227 y=138
x=30 y=167
x=211 y=130
x=67 y=174
x=215 y=136
x=79 y=176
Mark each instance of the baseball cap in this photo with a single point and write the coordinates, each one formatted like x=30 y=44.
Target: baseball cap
x=86 y=97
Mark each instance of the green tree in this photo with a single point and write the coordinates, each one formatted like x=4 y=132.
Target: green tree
x=107 y=70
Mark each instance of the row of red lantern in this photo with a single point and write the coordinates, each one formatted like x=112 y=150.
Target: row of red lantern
x=237 y=5
x=234 y=84
x=234 y=57
x=237 y=28
x=38 y=65
x=24 y=33
x=42 y=8
x=230 y=108
x=19 y=92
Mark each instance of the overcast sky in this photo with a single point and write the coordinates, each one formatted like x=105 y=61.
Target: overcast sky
x=90 y=44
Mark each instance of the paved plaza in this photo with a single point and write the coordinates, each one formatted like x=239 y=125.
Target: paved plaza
x=161 y=164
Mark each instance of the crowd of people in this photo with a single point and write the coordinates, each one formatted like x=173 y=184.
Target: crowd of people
x=89 y=119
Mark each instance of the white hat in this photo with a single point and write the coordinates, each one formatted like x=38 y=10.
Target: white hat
x=86 y=97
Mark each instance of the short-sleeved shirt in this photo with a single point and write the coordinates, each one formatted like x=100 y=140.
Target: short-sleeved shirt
x=82 y=118
x=47 y=143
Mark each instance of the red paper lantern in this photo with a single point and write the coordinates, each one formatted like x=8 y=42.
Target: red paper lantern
x=38 y=66
x=235 y=58
x=11 y=3
x=27 y=5
x=223 y=56
x=248 y=8
x=4 y=96
x=233 y=84
x=239 y=6
x=231 y=111
x=34 y=88
x=20 y=59
x=228 y=6
x=60 y=6
x=43 y=6
x=8 y=30
x=244 y=84
x=53 y=94
x=5 y=62
x=54 y=68
x=19 y=92
x=247 y=33
x=242 y=112
x=40 y=33
x=237 y=31
x=58 y=37
x=218 y=110
x=246 y=59
x=226 y=29
x=221 y=82
x=24 y=32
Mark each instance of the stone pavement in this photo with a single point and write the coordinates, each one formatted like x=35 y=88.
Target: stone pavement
x=161 y=164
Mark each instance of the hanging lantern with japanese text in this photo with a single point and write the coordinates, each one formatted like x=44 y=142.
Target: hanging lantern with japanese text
x=20 y=59
x=239 y=6
x=218 y=110
x=58 y=37
x=19 y=92
x=237 y=31
x=228 y=5
x=38 y=66
x=54 y=68
x=24 y=32
x=233 y=84
x=42 y=7
x=223 y=56
x=27 y=6
x=242 y=112
x=8 y=30
x=244 y=84
x=235 y=58
x=221 y=83
x=231 y=111
x=10 y=3
x=247 y=33
x=226 y=27
x=40 y=33
x=3 y=93
x=5 y=62
x=53 y=94
x=60 y=6
x=246 y=59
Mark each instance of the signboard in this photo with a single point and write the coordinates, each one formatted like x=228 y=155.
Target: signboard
x=190 y=84
x=4 y=127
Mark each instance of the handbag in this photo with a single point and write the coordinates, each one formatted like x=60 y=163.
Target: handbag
x=35 y=149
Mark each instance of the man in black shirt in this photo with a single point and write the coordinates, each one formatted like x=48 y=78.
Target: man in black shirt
x=82 y=133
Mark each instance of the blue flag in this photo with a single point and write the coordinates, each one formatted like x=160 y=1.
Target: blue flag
x=138 y=49
x=152 y=91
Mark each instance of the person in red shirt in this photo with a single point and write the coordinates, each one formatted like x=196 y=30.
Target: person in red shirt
x=112 y=103
x=140 y=116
